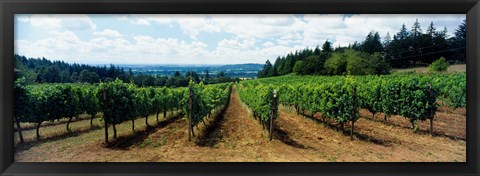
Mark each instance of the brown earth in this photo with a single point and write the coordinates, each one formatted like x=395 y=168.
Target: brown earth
x=234 y=135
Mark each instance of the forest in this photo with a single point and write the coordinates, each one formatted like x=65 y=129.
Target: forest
x=408 y=48
x=42 y=70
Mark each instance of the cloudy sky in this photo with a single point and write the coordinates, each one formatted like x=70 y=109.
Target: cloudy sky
x=198 y=39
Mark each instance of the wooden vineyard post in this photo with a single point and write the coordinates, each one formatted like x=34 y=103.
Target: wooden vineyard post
x=190 y=113
x=20 y=135
x=105 y=116
x=430 y=112
x=274 y=112
x=354 y=114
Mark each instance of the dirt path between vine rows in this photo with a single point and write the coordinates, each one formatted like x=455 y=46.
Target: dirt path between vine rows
x=235 y=137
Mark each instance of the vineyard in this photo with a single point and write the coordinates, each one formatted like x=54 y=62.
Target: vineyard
x=117 y=101
x=341 y=97
x=300 y=114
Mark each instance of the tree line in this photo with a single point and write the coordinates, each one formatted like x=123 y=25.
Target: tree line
x=42 y=70
x=407 y=48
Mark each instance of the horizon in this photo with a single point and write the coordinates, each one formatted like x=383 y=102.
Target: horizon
x=136 y=64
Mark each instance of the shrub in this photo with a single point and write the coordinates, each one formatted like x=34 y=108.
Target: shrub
x=439 y=65
x=356 y=63
x=298 y=68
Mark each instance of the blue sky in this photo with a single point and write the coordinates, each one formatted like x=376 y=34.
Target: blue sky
x=199 y=39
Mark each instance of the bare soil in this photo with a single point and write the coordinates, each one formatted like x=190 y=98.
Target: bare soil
x=233 y=135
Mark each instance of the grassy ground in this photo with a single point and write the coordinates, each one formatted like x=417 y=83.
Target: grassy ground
x=451 y=69
x=235 y=135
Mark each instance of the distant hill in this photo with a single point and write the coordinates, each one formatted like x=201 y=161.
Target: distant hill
x=247 y=70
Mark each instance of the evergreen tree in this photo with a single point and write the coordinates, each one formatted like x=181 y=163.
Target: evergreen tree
x=327 y=47
x=461 y=32
x=207 y=75
x=387 y=39
x=403 y=34
x=222 y=74
x=416 y=30
x=372 y=43
x=177 y=74
x=431 y=30
x=265 y=70
x=459 y=43
x=316 y=51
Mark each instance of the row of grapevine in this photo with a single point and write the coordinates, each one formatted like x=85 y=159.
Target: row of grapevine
x=261 y=99
x=118 y=101
x=49 y=102
x=336 y=100
x=411 y=97
x=451 y=87
x=340 y=97
x=202 y=100
x=121 y=102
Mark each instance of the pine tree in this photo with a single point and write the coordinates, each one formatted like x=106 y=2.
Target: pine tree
x=372 y=43
x=459 y=42
x=316 y=51
x=387 y=39
x=403 y=34
x=431 y=30
x=461 y=32
x=416 y=30
x=265 y=70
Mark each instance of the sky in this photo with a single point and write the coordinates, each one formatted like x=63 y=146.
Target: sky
x=199 y=39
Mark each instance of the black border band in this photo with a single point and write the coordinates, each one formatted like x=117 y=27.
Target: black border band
x=8 y=8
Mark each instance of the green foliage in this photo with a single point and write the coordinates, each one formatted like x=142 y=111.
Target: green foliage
x=89 y=101
x=356 y=63
x=331 y=96
x=22 y=106
x=337 y=64
x=204 y=99
x=69 y=103
x=299 y=68
x=259 y=98
x=144 y=101
x=452 y=88
x=372 y=43
x=405 y=49
x=266 y=70
x=412 y=96
x=370 y=94
x=117 y=101
x=45 y=71
x=312 y=65
x=88 y=77
x=440 y=65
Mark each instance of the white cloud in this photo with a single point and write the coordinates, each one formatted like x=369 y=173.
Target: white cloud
x=236 y=44
x=146 y=19
x=59 y=21
x=260 y=26
x=252 y=38
x=144 y=49
x=311 y=31
x=108 y=33
x=243 y=26
x=355 y=28
x=268 y=44
x=23 y=18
